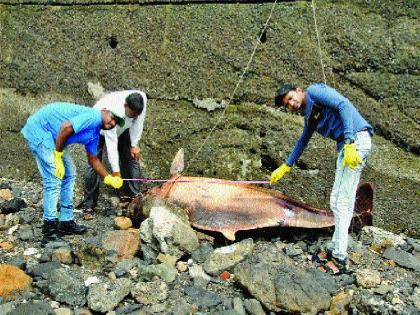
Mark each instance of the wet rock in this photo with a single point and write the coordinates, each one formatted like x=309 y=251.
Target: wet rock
x=65 y=286
x=12 y=280
x=402 y=258
x=226 y=257
x=33 y=308
x=151 y=292
x=105 y=296
x=12 y=206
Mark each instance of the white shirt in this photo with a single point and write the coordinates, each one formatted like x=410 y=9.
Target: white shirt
x=114 y=102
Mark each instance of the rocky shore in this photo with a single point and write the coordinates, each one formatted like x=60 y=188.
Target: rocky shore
x=163 y=266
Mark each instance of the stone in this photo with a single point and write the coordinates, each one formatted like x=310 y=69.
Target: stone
x=122 y=223
x=367 y=278
x=124 y=243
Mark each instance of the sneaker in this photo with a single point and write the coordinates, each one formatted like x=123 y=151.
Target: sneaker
x=71 y=227
x=50 y=233
x=337 y=266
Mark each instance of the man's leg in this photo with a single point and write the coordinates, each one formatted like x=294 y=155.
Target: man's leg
x=67 y=224
x=92 y=182
x=130 y=168
x=52 y=185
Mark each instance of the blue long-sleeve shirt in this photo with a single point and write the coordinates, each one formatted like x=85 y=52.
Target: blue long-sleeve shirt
x=331 y=115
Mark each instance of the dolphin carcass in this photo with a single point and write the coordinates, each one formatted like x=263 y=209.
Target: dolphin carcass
x=227 y=207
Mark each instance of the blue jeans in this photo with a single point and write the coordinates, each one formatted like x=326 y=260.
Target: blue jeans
x=344 y=193
x=55 y=188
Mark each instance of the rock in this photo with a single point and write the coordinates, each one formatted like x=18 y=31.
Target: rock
x=44 y=269
x=33 y=308
x=13 y=280
x=167 y=259
x=105 y=296
x=202 y=298
x=340 y=303
x=150 y=293
x=181 y=307
x=63 y=311
x=379 y=238
x=367 y=278
x=238 y=306
x=12 y=206
x=415 y=297
x=254 y=307
x=65 y=287
x=5 y=194
x=6 y=246
x=209 y=104
x=166 y=272
x=402 y=258
x=226 y=257
x=202 y=252
x=174 y=236
x=182 y=266
x=124 y=243
x=8 y=220
x=62 y=255
x=196 y=271
x=122 y=223
x=96 y=90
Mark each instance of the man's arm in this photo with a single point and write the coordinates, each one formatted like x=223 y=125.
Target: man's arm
x=300 y=146
x=66 y=130
x=97 y=165
x=111 y=141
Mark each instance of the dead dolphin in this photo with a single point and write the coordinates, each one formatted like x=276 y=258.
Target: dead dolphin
x=227 y=207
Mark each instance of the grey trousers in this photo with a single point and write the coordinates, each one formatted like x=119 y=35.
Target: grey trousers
x=130 y=168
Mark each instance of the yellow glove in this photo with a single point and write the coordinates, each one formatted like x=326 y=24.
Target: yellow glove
x=113 y=181
x=279 y=173
x=59 y=164
x=351 y=157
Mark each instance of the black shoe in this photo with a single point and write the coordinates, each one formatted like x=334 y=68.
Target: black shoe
x=71 y=227
x=337 y=266
x=50 y=233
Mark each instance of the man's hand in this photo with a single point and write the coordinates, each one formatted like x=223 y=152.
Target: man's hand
x=113 y=181
x=279 y=173
x=59 y=164
x=135 y=153
x=351 y=156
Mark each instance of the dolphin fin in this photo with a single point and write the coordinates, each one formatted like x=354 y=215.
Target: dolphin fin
x=229 y=235
x=178 y=163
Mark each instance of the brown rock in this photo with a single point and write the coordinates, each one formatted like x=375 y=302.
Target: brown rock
x=6 y=245
x=124 y=243
x=340 y=303
x=12 y=280
x=5 y=194
x=63 y=255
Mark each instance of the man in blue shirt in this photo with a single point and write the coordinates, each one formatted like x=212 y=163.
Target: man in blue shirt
x=48 y=132
x=334 y=116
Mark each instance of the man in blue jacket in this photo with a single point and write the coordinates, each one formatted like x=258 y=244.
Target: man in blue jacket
x=334 y=116
x=48 y=132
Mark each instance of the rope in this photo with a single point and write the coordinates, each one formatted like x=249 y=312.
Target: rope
x=319 y=42
x=236 y=87
x=152 y=180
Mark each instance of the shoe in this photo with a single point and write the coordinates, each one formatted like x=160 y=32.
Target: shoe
x=322 y=256
x=50 y=233
x=71 y=227
x=337 y=266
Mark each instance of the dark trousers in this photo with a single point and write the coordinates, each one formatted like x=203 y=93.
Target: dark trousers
x=130 y=168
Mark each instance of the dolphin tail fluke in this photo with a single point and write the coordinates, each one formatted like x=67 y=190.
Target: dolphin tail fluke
x=363 y=206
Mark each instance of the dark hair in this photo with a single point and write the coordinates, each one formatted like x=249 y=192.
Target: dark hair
x=282 y=91
x=135 y=102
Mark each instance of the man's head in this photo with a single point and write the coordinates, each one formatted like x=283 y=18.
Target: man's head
x=290 y=95
x=111 y=119
x=133 y=105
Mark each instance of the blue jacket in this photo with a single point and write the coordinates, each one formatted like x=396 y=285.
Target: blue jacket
x=331 y=115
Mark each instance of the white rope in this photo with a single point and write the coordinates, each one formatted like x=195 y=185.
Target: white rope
x=237 y=85
x=319 y=42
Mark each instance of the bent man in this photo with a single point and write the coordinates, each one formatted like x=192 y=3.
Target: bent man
x=121 y=143
x=334 y=116
x=48 y=132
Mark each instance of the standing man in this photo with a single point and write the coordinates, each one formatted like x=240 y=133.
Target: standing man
x=121 y=143
x=48 y=132
x=334 y=116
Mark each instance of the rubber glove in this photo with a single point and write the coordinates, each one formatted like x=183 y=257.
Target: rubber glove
x=113 y=181
x=59 y=164
x=279 y=173
x=351 y=157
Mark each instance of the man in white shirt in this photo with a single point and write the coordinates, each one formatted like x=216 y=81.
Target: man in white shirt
x=121 y=143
